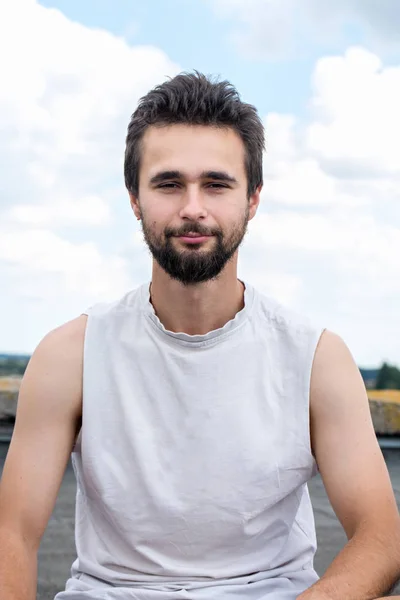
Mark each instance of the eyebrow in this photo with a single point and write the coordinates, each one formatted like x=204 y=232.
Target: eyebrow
x=215 y=175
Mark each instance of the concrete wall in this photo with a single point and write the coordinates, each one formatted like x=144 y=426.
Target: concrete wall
x=385 y=417
x=9 y=388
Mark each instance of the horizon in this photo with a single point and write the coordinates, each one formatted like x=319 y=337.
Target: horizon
x=362 y=368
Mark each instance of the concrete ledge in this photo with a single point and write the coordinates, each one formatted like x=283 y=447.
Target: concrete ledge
x=9 y=389
x=385 y=411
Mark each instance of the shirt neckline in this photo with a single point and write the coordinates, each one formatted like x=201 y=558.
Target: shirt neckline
x=201 y=339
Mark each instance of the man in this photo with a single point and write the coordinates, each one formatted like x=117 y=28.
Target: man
x=197 y=409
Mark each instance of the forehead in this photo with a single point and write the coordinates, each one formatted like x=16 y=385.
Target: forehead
x=192 y=150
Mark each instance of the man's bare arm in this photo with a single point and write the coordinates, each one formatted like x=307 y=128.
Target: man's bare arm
x=355 y=477
x=47 y=422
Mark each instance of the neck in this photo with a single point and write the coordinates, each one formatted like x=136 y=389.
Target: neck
x=197 y=309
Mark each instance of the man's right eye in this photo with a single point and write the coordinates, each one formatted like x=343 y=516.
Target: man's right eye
x=169 y=185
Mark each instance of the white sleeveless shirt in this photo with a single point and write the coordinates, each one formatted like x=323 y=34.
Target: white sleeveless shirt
x=193 y=457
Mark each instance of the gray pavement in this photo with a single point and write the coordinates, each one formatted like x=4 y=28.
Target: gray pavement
x=57 y=551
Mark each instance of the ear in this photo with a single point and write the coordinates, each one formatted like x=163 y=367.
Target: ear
x=135 y=206
x=254 y=202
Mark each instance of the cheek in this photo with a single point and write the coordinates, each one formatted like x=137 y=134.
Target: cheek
x=155 y=224
x=231 y=217
x=159 y=214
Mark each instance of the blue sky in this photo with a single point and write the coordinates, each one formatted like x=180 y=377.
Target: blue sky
x=325 y=77
x=193 y=36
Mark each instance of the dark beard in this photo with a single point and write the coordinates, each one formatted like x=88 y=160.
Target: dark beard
x=194 y=265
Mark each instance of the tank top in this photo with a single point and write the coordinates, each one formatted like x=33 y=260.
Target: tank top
x=194 y=455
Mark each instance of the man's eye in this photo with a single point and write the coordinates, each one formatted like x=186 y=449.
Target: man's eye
x=171 y=186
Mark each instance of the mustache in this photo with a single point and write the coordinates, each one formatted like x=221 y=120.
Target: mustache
x=190 y=228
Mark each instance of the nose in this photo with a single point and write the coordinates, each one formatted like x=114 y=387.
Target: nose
x=193 y=206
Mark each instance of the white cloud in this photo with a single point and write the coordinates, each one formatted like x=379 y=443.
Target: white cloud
x=358 y=245
x=347 y=153
x=91 y=210
x=357 y=102
x=82 y=266
x=66 y=96
x=330 y=213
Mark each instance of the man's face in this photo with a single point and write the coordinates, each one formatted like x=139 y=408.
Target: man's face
x=193 y=183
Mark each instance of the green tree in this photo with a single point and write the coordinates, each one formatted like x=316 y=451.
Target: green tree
x=13 y=365
x=388 y=378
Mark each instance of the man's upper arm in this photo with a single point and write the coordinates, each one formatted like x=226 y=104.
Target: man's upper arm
x=47 y=420
x=343 y=439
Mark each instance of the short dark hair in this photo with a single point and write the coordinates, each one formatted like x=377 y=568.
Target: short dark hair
x=194 y=99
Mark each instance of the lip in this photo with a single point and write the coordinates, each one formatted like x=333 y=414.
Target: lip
x=194 y=239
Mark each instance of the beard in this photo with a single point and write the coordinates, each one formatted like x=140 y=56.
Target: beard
x=194 y=264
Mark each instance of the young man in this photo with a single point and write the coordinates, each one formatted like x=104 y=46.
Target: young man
x=197 y=409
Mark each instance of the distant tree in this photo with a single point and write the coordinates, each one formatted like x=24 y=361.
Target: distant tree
x=11 y=365
x=388 y=378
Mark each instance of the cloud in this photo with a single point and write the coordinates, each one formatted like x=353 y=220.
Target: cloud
x=277 y=28
x=90 y=211
x=66 y=96
x=346 y=154
x=359 y=246
x=82 y=267
x=329 y=220
x=356 y=100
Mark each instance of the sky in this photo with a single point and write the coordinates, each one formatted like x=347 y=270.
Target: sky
x=325 y=78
